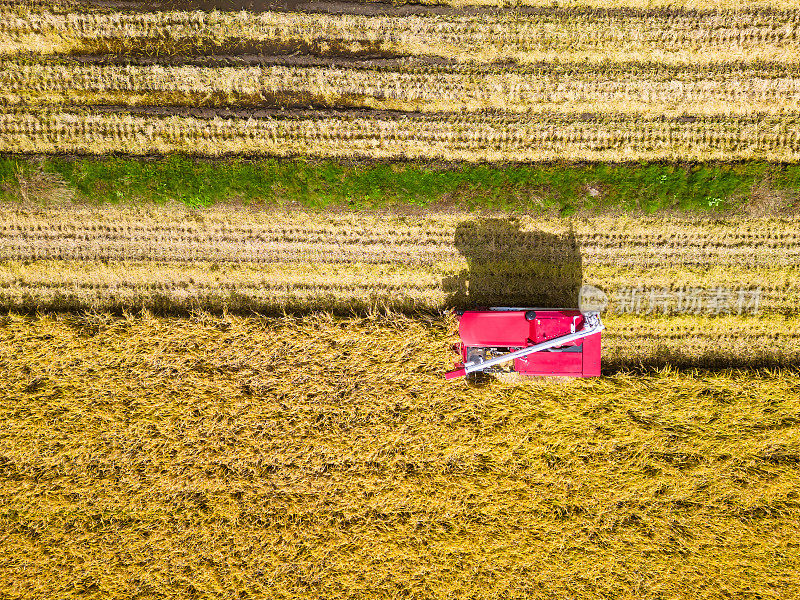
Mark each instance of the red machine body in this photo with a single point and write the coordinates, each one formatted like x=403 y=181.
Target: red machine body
x=486 y=334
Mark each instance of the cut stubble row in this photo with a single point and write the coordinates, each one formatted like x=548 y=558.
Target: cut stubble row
x=173 y=260
x=666 y=37
x=467 y=137
x=731 y=91
x=176 y=234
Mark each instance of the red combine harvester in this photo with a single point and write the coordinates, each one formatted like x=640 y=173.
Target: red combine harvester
x=540 y=341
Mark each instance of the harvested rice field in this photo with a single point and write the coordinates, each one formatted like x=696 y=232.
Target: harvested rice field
x=620 y=81
x=686 y=291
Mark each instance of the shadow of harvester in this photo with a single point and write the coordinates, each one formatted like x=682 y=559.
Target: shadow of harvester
x=511 y=267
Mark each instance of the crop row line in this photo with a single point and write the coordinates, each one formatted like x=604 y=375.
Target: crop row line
x=446 y=91
x=160 y=238
x=78 y=233
x=113 y=118
x=673 y=39
x=432 y=228
x=606 y=6
x=425 y=287
x=30 y=118
x=237 y=252
x=477 y=138
x=522 y=277
x=423 y=65
x=219 y=224
x=19 y=75
x=271 y=291
x=771 y=25
x=336 y=254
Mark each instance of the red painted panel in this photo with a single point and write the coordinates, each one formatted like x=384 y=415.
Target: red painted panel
x=511 y=328
x=550 y=363
x=591 y=355
x=494 y=328
x=547 y=327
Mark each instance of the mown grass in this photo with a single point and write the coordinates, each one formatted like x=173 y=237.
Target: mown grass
x=564 y=188
x=321 y=457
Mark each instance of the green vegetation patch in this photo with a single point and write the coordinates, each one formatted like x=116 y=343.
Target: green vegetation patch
x=565 y=188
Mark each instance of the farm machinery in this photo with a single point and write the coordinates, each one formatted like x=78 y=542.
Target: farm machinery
x=538 y=341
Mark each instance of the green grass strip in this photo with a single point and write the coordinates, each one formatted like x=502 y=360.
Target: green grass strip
x=567 y=188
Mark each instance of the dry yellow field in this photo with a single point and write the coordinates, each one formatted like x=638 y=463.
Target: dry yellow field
x=740 y=272
x=322 y=457
x=624 y=82
x=479 y=137
x=667 y=37
x=696 y=5
x=648 y=90
x=284 y=456
x=239 y=402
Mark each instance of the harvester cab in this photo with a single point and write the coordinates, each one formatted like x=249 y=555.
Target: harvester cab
x=532 y=341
